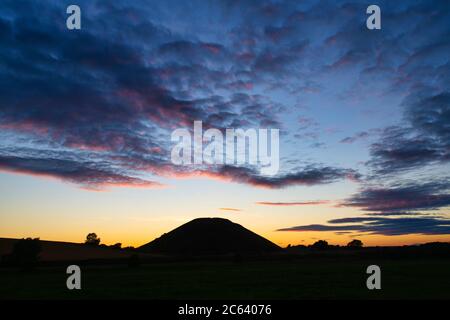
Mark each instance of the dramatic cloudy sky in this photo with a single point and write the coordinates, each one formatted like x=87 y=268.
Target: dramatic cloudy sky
x=364 y=116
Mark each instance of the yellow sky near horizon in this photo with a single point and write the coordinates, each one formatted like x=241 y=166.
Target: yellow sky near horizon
x=56 y=211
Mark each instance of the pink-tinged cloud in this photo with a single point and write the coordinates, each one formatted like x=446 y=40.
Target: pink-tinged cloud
x=308 y=176
x=402 y=197
x=25 y=127
x=230 y=209
x=212 y=47
x=88 y=176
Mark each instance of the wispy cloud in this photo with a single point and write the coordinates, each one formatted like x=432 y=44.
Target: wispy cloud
x=381 y=226
x=89 y=175
x=287 y=204
x=230 y=209
x=117 y=88
x=402 y=197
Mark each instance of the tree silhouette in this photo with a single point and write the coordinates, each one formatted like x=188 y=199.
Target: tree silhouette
x=25 y=253
x=118 y=245
x=92 y=239
x=320 y=245
x=355 y=244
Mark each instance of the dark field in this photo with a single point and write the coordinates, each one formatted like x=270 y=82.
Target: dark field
x=308 y=278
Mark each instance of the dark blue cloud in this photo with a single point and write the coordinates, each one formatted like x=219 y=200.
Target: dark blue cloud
x=382 y=226
x=88 y=174
x=310 y=175
x=401 y=208
x=403 y=197
x=425 y=141
x=116 y=88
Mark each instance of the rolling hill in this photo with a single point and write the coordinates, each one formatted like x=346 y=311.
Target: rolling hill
x=66 y=251
x=209 y=236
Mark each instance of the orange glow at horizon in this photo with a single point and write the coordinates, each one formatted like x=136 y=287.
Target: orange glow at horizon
x=51 y=210
x=136 y=236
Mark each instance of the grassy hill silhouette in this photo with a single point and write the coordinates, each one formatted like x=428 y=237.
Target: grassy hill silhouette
x=209 y=236
x=66 y=251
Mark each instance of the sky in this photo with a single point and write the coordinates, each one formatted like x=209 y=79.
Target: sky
x=86 y=118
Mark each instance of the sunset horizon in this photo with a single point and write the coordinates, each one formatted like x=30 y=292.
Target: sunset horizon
x=124 y=123
x=223 y=158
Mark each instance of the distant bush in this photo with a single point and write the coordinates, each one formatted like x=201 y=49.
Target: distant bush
x=436 y=245
x=92 y=239
x=299 y=247
x=25 y=254
x=320 y=245
x=355 y=244
x=118 y=245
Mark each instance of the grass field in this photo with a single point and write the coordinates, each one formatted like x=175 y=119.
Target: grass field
x=298 y=279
